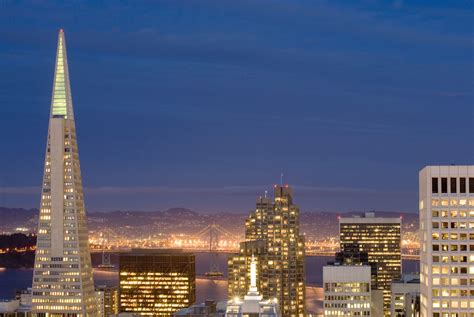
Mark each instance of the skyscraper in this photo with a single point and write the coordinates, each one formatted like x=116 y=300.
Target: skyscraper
x=62 y=280
x=156 y=282
x=272 y=236
x=381 y=239
x=447 y=241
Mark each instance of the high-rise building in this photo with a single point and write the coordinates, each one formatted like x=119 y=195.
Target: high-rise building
x=406 y=296
x=272 y=235
x=447 y=241
x=253 y=303
x=351 y=255
x=107 y=297
x=62 y=280
x=381 y=239
x=156 y=282
x=347 y=290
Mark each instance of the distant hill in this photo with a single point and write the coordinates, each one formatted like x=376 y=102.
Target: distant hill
x=315 y=225
x=17 y=217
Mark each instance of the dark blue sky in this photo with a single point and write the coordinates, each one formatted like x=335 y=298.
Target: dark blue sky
x=202 y=104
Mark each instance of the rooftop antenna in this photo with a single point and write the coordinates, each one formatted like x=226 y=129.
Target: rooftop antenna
x=281 y=179
x=266 y=193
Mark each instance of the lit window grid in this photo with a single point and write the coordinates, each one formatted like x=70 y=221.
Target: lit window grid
x=447 y=236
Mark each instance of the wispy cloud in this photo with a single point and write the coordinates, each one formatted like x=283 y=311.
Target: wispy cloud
x=218 y=190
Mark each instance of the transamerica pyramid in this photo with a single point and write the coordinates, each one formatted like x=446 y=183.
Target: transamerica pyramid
x=62 y=282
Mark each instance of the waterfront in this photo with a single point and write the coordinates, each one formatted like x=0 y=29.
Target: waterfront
x=17 y=279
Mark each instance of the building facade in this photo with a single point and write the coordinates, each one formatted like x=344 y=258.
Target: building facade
x=62 y=279
x=253 y=303
x=272 y=235
x=107 y=299
x=447 y=241
x=406 y=296
x=14 y=308
x=347 y=290
x=156 y=282
x=381 y=239
x=351 y=255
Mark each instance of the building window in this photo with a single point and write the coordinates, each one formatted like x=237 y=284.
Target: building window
x=462 y=185
x=471 y=185
x=453 y=185
x=444 y=185
x=434 y=185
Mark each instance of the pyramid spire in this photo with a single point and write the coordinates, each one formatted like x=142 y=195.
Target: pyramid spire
x=61 y=103
x=63 y=283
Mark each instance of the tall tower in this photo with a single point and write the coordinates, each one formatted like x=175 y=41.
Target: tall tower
x=272 y=236
x=447 y=241
x=381 y=238
x=62 y=280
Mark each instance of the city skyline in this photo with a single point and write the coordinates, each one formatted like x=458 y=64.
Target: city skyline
x=341 y=104
x=185 y=108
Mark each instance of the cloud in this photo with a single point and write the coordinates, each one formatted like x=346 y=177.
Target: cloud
x=20 y=190
x=218 y=190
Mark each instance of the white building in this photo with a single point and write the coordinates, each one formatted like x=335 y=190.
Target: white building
x=347 y=290
x=26 y=297
x=406 y=296
x=14 y=308
x=62 y=278
x=8 y=306
x=253 y=304
x=446 y=205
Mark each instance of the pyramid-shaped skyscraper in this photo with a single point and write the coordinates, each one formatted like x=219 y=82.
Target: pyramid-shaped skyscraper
x=62 y=282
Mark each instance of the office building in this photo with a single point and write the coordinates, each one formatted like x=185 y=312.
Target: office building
x=156 y=282
x=253 y=303
x=18 y=307
x=107 y=300
x=446 y=205
x=406 y=296
x=62 y=278
x=209 y=308
x=347 y=290
x=381 y=239
x=272 y=235
x=351 y=255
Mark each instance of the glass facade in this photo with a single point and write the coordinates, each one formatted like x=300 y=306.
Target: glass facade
x=381 y=239
x=156 y=282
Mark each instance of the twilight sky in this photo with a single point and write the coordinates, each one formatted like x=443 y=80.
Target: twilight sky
x=202 y=104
